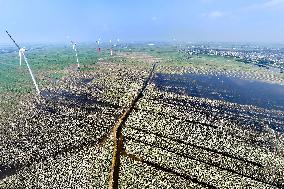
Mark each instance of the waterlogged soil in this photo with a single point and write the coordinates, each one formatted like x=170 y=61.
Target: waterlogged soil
x=220 y=87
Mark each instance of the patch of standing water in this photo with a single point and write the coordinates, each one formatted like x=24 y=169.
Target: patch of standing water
x=235 y=90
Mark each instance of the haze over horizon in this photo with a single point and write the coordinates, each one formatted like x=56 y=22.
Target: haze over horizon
x=160 y=20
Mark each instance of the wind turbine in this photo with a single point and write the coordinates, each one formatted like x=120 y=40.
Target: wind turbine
x=74 y=46
x=110 y=48
x=118 y=44
x=99 y=49
x=22 y=54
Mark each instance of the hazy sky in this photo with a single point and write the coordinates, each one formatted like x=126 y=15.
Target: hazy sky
x=142 y=20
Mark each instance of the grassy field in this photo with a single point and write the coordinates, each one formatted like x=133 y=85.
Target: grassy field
x=175 y=61
x=50 y=62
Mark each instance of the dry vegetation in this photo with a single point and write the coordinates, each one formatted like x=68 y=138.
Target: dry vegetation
x=64 y=138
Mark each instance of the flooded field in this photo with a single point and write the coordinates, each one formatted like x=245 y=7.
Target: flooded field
x=219 y=87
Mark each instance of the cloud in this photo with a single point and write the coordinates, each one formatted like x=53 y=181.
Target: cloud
x=213 y=14
x=154 y=18
x=206 y=1
x=273 y=3
x=268 y=4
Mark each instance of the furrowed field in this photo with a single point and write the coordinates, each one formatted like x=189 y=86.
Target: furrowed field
x=138 y=119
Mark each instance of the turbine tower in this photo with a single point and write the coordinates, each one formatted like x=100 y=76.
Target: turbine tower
x=22 y=54
x=98 y=49
x=74 y=46
x=110 y=47
x=118 y=44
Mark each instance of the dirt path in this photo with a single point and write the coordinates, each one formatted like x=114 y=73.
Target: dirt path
x=118 y=138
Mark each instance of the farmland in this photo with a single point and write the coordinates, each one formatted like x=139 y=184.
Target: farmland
x=138 y=107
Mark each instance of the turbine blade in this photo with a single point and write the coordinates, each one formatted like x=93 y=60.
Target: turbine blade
x=13 y=40
x=31 y=73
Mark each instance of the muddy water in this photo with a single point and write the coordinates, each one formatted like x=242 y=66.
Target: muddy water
x=219 y=87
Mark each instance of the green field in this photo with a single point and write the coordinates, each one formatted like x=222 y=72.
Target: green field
x=52 y=61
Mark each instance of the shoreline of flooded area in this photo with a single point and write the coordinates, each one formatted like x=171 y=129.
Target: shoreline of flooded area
x=221 y=87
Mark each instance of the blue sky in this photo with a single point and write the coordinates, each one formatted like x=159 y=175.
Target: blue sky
x=143 y=20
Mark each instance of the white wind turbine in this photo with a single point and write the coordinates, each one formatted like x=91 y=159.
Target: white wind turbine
x=110 y=48
x=118 y=40
x=98 y=49
x=22 y=54
x=118 y=45
x=74 y=46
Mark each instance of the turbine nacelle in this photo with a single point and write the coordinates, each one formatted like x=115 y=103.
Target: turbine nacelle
x=73 y=45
